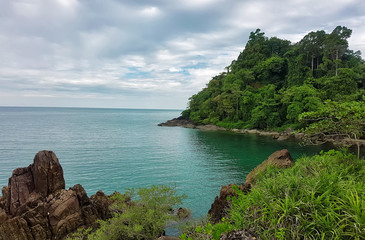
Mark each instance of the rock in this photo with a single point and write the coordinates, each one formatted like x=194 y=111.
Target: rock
x=81 y=194
x=21 y=185
x=168 y=238
x=238 y=235
x=283 y=138
x=183 y=213
x=64 y=213
x=280 y=159
x=221 y=205
x=15 y=228
x=47 y=173
x=35 y=205
x=4 y=200
x=210 y=127
x=101 y=204
x=3 y=216
x=178 y=122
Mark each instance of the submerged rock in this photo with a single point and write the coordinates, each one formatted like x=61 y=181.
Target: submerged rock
x=36 y=205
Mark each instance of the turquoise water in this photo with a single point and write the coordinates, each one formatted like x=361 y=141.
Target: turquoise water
x=115 y=149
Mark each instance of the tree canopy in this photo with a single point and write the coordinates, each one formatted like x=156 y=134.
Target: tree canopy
x=274 y=81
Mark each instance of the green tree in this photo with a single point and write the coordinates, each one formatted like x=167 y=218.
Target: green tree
x=334 y=120
x=336 y=45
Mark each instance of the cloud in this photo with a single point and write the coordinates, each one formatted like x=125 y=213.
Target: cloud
x=142 y=53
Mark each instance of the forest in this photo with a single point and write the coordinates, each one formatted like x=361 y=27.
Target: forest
x=316 y=84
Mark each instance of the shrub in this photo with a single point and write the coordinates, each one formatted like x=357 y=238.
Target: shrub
x=144 y=218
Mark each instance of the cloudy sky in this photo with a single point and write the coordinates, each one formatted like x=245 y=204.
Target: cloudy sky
x=143 y=53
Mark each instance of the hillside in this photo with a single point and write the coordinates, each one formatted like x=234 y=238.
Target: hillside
x=316 y=85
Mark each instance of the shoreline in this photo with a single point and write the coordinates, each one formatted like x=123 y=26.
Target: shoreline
x=280 y=136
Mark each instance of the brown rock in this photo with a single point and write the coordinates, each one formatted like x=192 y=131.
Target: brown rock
x=101 y=203
x=21 y=185
x=221 y=205
x=81 y=194
x=5 y=199
x=35 y=205
x=64 y=212
x=48 y=173
x=3 y=216
x=15 y=229
x=280 y=159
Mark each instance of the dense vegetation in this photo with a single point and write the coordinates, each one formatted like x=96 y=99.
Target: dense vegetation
x=321 y=197
x=143 y=218
x=273 y=82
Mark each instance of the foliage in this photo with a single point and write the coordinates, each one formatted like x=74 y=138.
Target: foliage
x=321 y=197
x=144 y=218
x=273 y=81
x=333 y=118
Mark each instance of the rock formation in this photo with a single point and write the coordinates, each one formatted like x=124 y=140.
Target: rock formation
x=280 y=159
x=221 y=205
x=36 y=205
x=178 y=122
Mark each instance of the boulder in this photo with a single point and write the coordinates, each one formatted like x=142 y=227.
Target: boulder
x=47 y=173
x=280 y=159
x=221 y=205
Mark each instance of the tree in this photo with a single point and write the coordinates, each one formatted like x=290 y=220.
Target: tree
x=336 y=44
x=336 y=120
x=313 y=44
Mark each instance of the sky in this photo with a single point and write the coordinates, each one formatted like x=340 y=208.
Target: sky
x=143 y=53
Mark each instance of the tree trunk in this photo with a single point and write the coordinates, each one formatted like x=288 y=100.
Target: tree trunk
x=336 y=60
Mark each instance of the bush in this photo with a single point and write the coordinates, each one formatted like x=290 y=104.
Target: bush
x=143 y=218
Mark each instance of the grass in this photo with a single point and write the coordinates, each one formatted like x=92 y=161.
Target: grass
x=321 y=197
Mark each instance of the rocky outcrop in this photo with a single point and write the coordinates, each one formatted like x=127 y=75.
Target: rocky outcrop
x=221 y=205
x=178 y=122
x=280 y=159
x=36 y=205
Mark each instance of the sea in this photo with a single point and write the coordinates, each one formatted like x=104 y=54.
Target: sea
x=118 y=149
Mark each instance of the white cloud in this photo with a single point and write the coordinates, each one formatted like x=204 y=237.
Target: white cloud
x=101 y=53
x=151 y=12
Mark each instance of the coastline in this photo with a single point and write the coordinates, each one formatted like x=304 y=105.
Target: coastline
x=280 y=136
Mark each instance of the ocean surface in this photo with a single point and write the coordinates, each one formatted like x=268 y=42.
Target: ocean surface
x=116 y=149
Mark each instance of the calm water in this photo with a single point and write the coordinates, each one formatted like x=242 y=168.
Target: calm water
x=116 y=149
